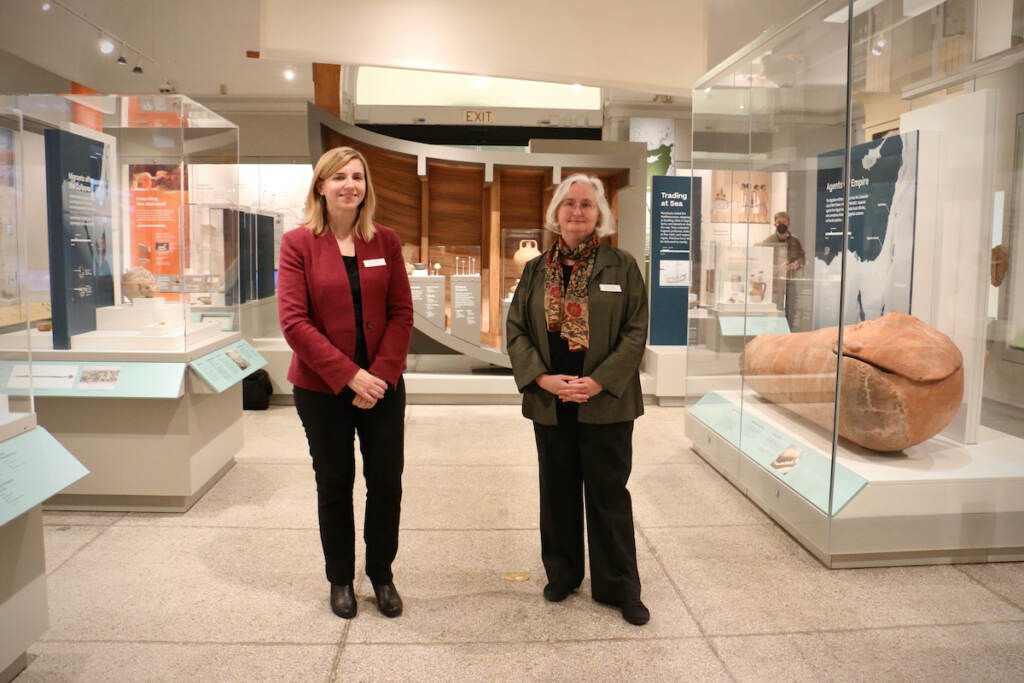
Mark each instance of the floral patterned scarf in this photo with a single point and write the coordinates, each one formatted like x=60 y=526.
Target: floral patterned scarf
x=566 y=308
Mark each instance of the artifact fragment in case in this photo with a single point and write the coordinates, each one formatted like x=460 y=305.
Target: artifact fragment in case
x=902 y=381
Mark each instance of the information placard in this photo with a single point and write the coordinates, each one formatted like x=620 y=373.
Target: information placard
x=33 y=467
x=227 y=366
x=466 y=307
x=802 y=468
x=93 y=379
x=672 y=199
x=428 y=297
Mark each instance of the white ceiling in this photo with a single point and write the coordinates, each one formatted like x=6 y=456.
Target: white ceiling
x=650 y=46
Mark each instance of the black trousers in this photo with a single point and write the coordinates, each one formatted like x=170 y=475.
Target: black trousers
x=331 y=423
x=588 y=462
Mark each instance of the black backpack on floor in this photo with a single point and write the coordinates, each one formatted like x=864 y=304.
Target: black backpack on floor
x=256 y=391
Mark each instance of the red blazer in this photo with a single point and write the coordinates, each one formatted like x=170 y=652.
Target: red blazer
x=314 y=305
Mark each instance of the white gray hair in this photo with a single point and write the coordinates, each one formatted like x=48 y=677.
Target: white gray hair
x=606 y=221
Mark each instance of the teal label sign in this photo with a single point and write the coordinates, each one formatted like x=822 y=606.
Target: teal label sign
x=92 y=379
x=33 y=467
x=227 y=366
x=802 y=468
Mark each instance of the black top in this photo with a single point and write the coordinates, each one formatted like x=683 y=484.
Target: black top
x=564 y=361
x=352 y=268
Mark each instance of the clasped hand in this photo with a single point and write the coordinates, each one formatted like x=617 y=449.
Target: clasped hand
x=569 y=388
x=368 y=388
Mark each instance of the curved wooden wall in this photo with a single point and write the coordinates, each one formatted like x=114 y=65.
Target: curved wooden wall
x=450 y=204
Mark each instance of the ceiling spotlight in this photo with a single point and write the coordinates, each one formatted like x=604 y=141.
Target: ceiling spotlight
x=137 y=69
x=45 y=6
x=166 y=87
x=122 y=61
x=289 y=75
x=106 y=45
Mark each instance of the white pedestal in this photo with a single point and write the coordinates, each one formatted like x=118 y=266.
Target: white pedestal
x=157 y=455
x=23 y=608
x=938 y=502
x=667 y=366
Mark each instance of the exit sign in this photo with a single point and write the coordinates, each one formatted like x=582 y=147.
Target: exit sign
x=479 y=116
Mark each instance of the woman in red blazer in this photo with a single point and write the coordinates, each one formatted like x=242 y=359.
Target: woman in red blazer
x=346 y=311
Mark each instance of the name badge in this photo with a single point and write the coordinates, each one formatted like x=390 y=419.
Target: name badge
x=611 y=288
x=374 y=262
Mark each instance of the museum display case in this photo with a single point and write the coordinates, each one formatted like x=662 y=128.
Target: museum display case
x=135 y=272
x=857 y=374
x=33 y=465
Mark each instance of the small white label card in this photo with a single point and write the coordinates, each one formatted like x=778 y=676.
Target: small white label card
x=373 y=262
x=611 y=287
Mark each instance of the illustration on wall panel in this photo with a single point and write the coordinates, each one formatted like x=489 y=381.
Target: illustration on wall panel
x=880 y=248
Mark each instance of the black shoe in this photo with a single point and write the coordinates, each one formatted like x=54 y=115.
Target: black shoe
x=343 y=600
x=635 y=612
x=389 y=602
x=556 y=592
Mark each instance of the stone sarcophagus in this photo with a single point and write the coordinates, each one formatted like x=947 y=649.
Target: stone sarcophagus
x=902 y=381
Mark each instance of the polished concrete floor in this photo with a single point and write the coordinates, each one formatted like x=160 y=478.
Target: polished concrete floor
x=233 y=590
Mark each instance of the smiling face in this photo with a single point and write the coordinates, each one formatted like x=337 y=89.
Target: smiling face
x=345 y=189
x=578 y=213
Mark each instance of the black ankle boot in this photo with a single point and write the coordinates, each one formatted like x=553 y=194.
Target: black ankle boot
x=389 y=602
x=343 y=601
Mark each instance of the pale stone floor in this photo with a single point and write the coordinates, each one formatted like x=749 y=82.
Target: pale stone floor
x=234 y=590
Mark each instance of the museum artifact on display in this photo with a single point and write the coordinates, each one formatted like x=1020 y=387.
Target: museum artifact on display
x=902 y=381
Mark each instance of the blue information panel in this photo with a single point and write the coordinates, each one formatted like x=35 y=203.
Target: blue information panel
x=671 y=201
x=93 y=379
x=227 y=366
x=33 y=467
x=802 y=468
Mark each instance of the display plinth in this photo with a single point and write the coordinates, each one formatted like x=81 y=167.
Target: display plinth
x=159 y=454
x=23 y=606
x=938 y=502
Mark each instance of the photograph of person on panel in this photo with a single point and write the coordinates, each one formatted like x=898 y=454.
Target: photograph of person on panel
x=577 y=328
x=346 y=312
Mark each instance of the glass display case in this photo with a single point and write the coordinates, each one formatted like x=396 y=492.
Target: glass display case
x=129 y=241
x=131 y=289
x=853 y=367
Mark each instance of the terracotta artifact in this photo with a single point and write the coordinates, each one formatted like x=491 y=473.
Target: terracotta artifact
x=139 y=283
x=902 y=381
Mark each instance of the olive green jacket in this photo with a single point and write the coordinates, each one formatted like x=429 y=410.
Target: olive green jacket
x=618 y=336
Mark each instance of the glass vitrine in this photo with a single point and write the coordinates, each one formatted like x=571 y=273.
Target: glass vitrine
x=853 y=365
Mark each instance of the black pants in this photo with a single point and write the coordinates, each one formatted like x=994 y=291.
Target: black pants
x=588 y=462
x=331 y=423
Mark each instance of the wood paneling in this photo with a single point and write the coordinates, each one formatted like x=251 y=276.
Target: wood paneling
x=395 y=183
x=456 y=204
x=327 y=87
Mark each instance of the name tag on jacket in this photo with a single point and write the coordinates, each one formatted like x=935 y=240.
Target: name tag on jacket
x=610 y=287
x=373 y=262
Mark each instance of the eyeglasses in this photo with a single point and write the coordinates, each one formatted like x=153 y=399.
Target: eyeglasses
x=572 y=205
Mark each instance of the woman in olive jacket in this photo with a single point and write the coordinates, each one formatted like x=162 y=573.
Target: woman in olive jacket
x=577 y=328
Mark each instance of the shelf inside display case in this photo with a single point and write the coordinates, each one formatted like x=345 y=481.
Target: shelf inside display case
x=932 y=502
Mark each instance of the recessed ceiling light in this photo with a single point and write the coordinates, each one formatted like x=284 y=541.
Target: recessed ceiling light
x=289 y=75
x=106 y=45
x=45 y=6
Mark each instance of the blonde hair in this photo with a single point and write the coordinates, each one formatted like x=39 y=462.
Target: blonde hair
x=316 y=205
x=606 y=222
